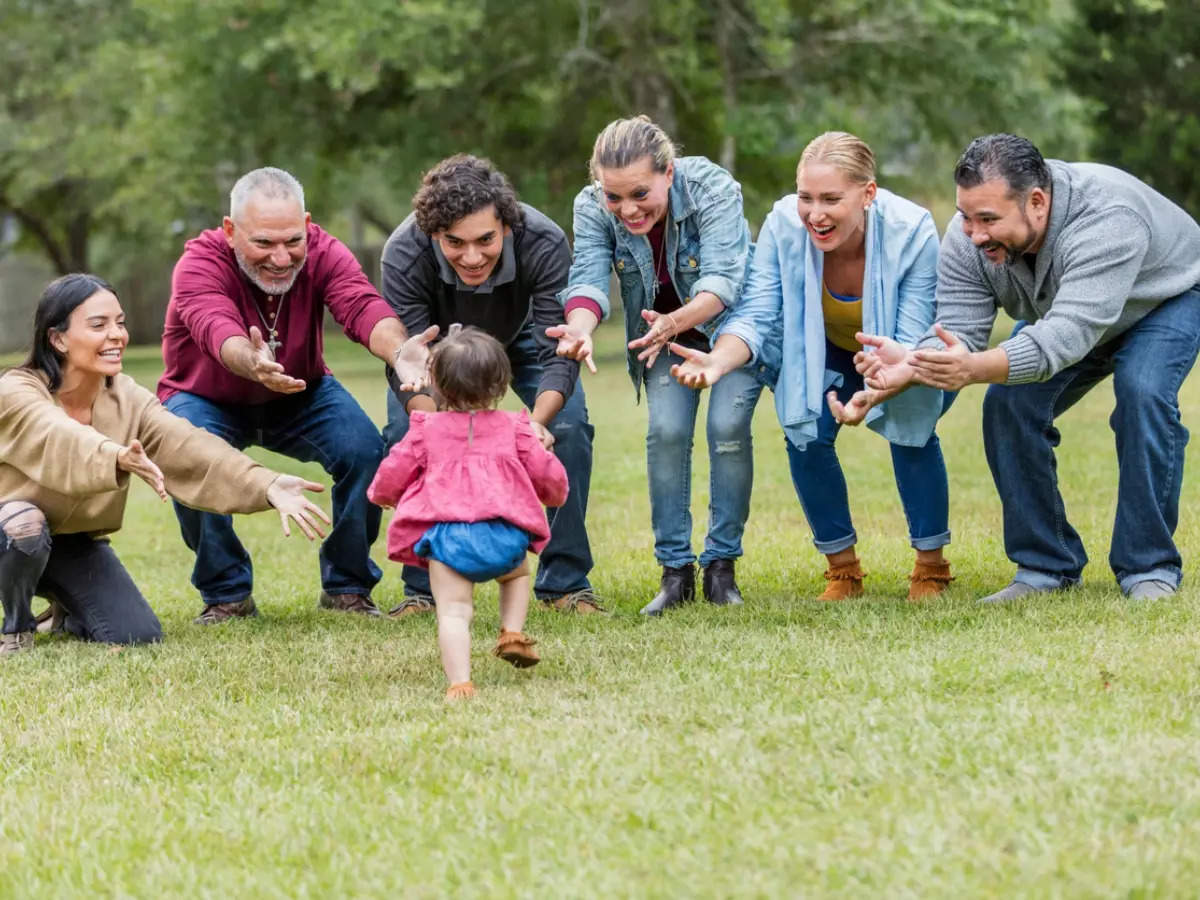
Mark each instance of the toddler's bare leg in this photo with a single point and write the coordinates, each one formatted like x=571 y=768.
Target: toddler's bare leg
x=514 y=598
x=455 y=606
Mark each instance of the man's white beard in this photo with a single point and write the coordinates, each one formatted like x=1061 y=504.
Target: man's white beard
x=272 y=289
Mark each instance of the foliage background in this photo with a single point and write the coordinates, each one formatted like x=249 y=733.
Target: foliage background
x=123 y=123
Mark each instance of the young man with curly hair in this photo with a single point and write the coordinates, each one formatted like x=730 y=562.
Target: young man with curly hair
x=472 y=253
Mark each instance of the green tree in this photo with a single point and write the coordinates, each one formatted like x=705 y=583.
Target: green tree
x=1136 y=61
x=68 y=86
x=123 y=123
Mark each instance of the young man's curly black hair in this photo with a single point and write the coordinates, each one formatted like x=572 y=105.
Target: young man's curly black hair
x=460 y=185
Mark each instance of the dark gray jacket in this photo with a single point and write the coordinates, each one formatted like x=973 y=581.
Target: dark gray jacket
x=423 y=289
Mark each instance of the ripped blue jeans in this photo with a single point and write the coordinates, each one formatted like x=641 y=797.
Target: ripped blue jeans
x=673 y=410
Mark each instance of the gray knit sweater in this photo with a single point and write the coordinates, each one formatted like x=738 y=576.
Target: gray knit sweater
x=1114 y=250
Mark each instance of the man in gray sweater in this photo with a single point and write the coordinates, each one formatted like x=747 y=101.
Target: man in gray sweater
x=1102 y=274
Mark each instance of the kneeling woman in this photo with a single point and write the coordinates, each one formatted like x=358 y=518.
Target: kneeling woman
x=72 y=428
x=837 y=258
x=674 y=231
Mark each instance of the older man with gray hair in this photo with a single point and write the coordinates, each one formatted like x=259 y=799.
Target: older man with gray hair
x=243 y=351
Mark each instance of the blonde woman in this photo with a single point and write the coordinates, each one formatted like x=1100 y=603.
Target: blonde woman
x=673 y=230
x=840 y=257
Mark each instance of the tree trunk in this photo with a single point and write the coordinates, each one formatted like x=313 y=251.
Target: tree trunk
x=726 y=26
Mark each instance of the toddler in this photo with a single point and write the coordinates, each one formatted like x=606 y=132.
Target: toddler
x=469 y=483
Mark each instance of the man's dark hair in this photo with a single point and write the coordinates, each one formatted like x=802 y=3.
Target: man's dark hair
x=1007 y=156
x=461 y=185
x=61 y=298
x=469 y=370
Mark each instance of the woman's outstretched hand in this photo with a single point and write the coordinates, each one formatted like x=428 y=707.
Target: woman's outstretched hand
x=286 y=494
x=574 y=342
x=887 y=367
x=854 y=410
x=134 y=459
x=698 y=369
x=662 y=329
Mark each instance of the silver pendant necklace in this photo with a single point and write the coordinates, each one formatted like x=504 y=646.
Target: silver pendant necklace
x=657 y=259
x=273 y=341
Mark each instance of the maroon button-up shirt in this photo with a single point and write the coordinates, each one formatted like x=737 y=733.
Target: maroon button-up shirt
x=211 y=301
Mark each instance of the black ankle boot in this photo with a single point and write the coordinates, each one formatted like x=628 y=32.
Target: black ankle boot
x=678 y=586
x=720 y=588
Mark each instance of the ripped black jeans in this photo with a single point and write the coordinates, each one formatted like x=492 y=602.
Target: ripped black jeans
x=84 y=576
x=22 y=560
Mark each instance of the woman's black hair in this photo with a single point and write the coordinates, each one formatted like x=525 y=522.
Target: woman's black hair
x=53 y=312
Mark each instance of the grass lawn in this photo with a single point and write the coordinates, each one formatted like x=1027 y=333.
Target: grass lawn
x=782 y=749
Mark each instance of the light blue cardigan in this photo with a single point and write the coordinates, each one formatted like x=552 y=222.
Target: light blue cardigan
x=779 y=316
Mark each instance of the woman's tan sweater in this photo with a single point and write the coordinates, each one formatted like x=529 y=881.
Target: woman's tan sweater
x=69 y=470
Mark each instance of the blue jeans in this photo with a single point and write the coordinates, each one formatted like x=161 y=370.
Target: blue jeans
x=821 y=486
x=673 y=409
x=566 y=561
x=1148 y=364
x=320 y=424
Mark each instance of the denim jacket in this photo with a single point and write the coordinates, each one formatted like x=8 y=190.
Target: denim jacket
x=707 y=238
x=780 y=317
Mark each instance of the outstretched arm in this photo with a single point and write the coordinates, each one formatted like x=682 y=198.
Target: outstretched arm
x=956 y=366
x=253 y=359
x=575 y=336
x=666 y=327
x=701 y=370
x=134 y=459
x=286 y=494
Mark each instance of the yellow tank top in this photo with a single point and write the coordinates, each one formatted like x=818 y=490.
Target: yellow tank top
x=842 y=319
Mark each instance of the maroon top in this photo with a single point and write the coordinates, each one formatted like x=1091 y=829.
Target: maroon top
x=665 y=301
x=211 y=301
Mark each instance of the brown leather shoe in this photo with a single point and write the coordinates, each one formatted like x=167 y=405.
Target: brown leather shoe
x=584 y=602
x=412 y=605
x=216 y=613
x=845 y=581
x=355 y=603
x=12 y=644
x=927 y=581
x=516 y=647
x=464 y=690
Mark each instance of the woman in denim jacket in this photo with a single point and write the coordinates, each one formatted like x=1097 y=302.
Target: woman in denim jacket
x=674 y=232
x=838 y=258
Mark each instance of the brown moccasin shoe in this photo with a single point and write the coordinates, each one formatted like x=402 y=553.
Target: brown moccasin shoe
x=584 y=602
x=354 y=603
x=216 y=613
x=516 y=647
x=845 y=581
x=464 y=690
x=928 y=581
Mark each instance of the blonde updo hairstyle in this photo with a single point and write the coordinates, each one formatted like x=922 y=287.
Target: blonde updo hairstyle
x=624 y=142
x=843 y=151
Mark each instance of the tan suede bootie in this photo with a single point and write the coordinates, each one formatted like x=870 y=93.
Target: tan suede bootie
x=927 y=581
x=845 y=581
